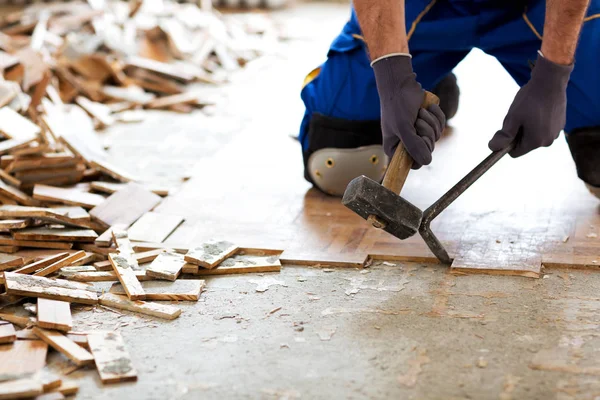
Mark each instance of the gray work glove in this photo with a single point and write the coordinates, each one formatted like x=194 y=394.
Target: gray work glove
x=538 y=112
x=402 y=118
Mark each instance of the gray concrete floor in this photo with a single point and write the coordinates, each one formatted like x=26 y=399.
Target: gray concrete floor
x=389 y=331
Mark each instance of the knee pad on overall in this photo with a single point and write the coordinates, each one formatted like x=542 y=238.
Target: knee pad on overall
x=584 y=144
x=339 y=150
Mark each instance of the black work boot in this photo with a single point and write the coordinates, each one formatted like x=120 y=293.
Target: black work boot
x=448 y=92
x=585 y=149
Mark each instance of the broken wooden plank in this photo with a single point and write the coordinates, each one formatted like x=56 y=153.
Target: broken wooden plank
x=10 y=224
x=56 y=289
x=64 y=345
x=124 y=247
x=112 y=170
x=9 y=241
x=68 y=388
x=100 y=276
x=168 y=70
x=153 y=227
x=67 y=196
x=180 y=290
x=9 y=179
x=176 y=99
x=127 y=277
x=22 y=357
x=210 y=254
x=25 y=388
x=125 y=206
x=22 y=322
x=97 y=110
x=7 y=332
x=166 y=266
x=111 y=187
x=163 y=311
x=8 y=261
x=55 y=234
x=54 y=314
x=14 y=126
x=112 y=359
x=28 y=269
x=65 y=262
x=141 y=258
x=17 y=195
x=45 y=214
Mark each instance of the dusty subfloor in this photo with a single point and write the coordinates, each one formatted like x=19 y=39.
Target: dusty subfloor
x=389 y=331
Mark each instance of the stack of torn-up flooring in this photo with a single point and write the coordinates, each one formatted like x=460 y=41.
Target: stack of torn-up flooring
x=61 y=258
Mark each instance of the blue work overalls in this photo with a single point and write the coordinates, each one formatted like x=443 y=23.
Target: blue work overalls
x=442 y=32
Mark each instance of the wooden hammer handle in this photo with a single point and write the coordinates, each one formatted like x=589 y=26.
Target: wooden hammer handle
x=401 y=161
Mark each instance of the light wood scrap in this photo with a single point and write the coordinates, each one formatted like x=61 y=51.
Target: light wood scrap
x=49 y=380
x=8 y=261
x=14 y=126
x=44 y=214
x=67 y=196
x=9 y=249
x=166 y=266
x=26 y=334
x=33 y=267
x=9 y=224
x=169 y=70
x=64 y=345
x=68 y=388
x=112 y=359
x=23 y=357
x=127 y=277
x=17 y=195
x=22 y=322
x=180 y=290
x=163 y=311
x=177 y=99
x=100 y=276
x=6 y=240
x=54 y=314
x=125 y=206
x=55 y=234
x=97 y=110
x=9 y=179
x=55 y=289
x=65 y=262
x=39 y=161
x=210 y=254
x=51 y=396
x=141 y=258
x=74 y=212
x=111 y=187
x=7 y=332
x=106 y=238
x=112 y=170
x=153 y=227
x=25 y=388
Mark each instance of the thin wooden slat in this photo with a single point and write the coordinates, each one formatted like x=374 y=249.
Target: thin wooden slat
x=111 y=187
x=100 y=276
x=22 y=357
x=9 y=224
x=68 y=388
x=45 y=214
x=112 y=359
x=28 y=269
x=106 y=239
x=163 y=311
x=125 y=206
x=17 y=195
x=9 y=241
x=154 y=227
x=8 y=261
x=67 y=347
x=56 y=289
x=67 y=196
x=166 y=266
x=20 y=389
x=141 y=258
x=54 y=314
x=22 y=322
x=127 y=277
x=180 y=290
x=124 y=247
x=210 y=254
x=7 y=332
x=61 y=263
x=55 y=235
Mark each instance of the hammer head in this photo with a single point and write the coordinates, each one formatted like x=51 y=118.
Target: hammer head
x=366 y=197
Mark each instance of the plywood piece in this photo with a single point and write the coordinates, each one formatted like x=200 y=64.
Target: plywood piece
x=55 y=289
x=210 y=254
x=100 y=276
x=127 y=277
x=125 y=206
x=8 y=261
x=154 y=227
x=14 y=126
x=9 y=224
x=56 y=234
x=45 y=214
x=112 y=359
x=33 y=267
x=64 y=345
x=163 y=311
x=22 y=357
x=112 y=187
x=141 y=258
x=498 y=257
x=180 y=290
x=72 y=197
x=20 y=389
x=65 y=262
x=166 y=266
x=7 y=332
x=9 y=241
x=247 y=261
x=54 y=314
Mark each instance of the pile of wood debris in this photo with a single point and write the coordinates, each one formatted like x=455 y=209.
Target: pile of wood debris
x=68 y=216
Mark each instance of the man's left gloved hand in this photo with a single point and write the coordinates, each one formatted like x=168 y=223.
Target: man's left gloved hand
x=538 y=112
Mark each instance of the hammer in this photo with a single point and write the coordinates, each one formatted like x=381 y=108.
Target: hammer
x=382 y=206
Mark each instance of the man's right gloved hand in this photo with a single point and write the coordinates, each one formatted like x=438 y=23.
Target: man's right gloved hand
x=402 y=118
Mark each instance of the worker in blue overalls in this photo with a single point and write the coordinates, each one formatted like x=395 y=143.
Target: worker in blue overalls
x=366 y=97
